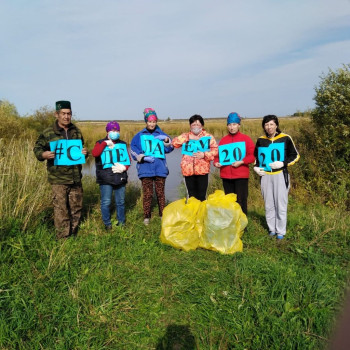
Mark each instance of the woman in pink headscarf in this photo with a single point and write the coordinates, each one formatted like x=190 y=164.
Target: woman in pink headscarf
x=148 y=148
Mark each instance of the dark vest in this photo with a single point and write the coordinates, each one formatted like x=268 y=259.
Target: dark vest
x=106 y=176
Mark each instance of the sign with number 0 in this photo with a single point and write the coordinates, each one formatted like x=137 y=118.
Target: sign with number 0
x=266 y=155
x=231 y=152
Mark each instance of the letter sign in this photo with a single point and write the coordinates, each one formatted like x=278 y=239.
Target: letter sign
x=67 y=152
x=118 y=154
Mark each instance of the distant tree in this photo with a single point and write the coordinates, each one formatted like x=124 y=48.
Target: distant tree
x=331 y=116
x=41 y=119
x=10 y=121
x=8 y=110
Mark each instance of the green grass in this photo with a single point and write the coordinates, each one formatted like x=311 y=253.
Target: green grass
x=126 y=290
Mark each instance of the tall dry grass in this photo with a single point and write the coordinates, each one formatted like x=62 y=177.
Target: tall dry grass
x=94 y=131
x=23 y=184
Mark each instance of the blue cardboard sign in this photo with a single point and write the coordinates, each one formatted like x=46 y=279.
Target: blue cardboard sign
x=231 y=152
x=118 y=154
x=194 y=146
x=266 y=155
x=152 y=146
x=189 y=147
x=67 y=152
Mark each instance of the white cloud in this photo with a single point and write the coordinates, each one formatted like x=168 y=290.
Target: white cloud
x=180 y=57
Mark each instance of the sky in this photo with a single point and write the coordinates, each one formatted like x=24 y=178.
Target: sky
x=113 y=58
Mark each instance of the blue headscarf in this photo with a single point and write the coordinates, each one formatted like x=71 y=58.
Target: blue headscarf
x=233 y=118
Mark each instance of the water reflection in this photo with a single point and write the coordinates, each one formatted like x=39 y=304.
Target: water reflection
x=172 y=182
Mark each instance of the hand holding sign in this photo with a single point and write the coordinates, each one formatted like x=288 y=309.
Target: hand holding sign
x=110 y=144
x=48 y=155
x=276 y=165
x=118 y=168
x=198 y=155
x=259 y=171
x=237 y=163
x=148 y=159
x=162 y=138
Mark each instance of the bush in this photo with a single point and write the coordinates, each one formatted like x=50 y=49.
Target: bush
x=40 y=120
x=331 y=116
x=24 y=127
x=325 y=141
x=10 y=121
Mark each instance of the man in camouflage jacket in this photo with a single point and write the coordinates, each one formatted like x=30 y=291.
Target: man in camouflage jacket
x=67 y=191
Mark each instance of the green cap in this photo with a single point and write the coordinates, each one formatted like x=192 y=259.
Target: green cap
x=62 y=105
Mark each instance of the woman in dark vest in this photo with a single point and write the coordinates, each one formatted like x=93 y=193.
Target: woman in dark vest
x=112 y=162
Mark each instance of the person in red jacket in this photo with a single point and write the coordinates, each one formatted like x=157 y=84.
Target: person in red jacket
x=236 y=152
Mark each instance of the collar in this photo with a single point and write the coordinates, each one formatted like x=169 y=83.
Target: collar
x=57 y=129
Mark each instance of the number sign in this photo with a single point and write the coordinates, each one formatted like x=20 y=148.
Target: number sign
x=231 y=152
x=270 y=154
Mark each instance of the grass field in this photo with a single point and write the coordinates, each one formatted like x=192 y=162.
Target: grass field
x=126 y=290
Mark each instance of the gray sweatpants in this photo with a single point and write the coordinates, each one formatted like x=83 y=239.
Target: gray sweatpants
x=275 y=194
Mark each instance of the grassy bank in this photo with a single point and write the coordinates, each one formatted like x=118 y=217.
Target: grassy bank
x=125 y=290
x=25 y=195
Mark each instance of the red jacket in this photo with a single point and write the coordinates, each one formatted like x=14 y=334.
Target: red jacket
x=242 y=172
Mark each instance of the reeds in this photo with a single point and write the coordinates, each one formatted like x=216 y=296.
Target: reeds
x=23 y=184
x=94 y=131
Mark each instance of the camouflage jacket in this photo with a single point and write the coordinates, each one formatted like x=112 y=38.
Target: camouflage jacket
x=58 y=175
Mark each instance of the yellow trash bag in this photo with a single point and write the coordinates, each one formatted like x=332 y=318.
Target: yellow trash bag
x=181 y=226
x=224 y=222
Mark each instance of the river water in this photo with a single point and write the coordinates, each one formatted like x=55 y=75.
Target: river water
x=172 y=183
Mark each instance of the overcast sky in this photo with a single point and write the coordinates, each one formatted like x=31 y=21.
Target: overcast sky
x=112 y=59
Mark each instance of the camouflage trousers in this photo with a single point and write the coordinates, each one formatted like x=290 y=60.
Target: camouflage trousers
x=67 y=204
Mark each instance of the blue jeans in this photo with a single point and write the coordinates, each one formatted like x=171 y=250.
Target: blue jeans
x=106 y=199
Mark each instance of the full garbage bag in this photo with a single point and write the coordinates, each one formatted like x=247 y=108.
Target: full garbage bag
x=181 y=226
x=223 y=223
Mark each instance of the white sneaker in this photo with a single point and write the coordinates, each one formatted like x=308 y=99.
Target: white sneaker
x=146 y=221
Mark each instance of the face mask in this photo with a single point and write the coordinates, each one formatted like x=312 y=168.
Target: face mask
x=114 y=135
x=196 y=130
